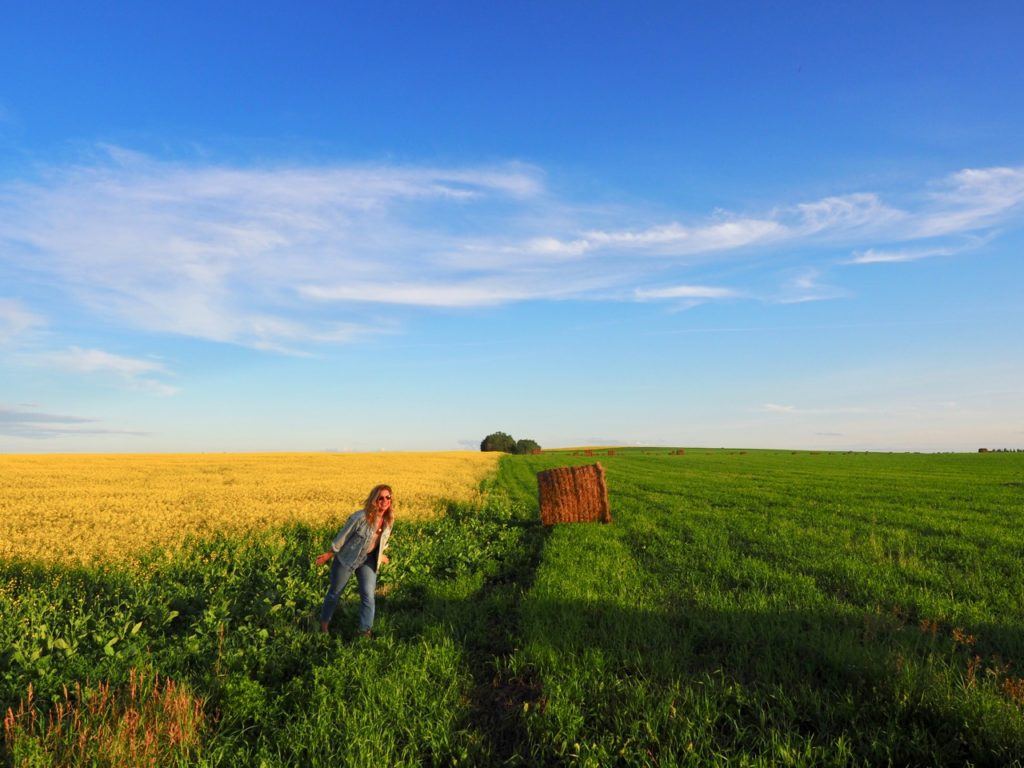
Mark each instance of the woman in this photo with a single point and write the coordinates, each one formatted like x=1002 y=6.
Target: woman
x=359 y=547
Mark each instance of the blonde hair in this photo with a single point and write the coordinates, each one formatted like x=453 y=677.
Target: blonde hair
x=370 y=506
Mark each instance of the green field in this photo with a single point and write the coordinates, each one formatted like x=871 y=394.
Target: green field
x=744 y=608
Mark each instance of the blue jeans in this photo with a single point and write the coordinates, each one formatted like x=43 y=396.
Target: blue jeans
x=366 y=576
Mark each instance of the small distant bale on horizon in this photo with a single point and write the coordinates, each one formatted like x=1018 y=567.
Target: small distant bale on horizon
x=983 y=450
x=573 y=495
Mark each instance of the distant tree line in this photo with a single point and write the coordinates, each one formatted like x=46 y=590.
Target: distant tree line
x=499 y=441
x=1001 y=450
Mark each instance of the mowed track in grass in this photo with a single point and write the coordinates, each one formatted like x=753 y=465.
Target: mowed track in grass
x=778 y=608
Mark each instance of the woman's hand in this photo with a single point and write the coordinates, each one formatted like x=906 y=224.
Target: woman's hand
x=384 y=559
x=324 y=558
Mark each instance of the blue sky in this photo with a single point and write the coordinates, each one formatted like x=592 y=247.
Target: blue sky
x=251 y=227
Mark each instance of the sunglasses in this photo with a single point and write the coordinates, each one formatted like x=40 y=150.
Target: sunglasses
x=383 y=498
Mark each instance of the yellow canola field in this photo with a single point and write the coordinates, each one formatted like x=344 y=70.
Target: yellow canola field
x=79 y=507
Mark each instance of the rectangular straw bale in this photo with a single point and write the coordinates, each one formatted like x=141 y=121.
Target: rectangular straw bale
x=573 y=495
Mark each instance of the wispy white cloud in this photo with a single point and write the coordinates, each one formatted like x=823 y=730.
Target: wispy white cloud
x=220 y=253
x=685 y=292
x=728 y=232
x=885 y=256
x=677 y=239
x=842 y=214
x=807 y=286
x=969 y=200
x=16 y=320
x=288 y=257
x=471 y=294
x=135 y=372
x=896 y=255
x=33 y=424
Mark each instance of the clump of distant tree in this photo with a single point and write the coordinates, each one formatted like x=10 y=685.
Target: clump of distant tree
x=499 y=441
x=527 y=446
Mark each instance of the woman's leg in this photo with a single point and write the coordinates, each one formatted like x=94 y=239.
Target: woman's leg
x=339 y=578
x=366 y=575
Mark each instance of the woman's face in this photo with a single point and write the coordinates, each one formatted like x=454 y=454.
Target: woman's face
x=383 y=501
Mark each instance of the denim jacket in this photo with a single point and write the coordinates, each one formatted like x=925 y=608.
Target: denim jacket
x=352 y=543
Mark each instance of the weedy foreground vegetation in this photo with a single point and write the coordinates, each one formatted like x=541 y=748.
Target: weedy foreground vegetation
x=744 y=608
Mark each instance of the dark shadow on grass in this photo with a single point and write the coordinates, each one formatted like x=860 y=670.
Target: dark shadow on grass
x=498 y=695
x=817 y=673
x=842 y=675
x=486 y=625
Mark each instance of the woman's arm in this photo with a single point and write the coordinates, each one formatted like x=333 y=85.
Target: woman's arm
x=385 y=539
x=339 y=540
x=324 y=557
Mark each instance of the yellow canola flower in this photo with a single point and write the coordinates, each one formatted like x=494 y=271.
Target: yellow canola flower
x=79 y=507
